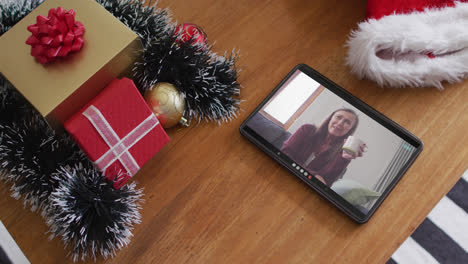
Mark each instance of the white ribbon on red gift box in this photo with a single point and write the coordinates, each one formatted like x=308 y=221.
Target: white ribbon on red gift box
x=118 y=148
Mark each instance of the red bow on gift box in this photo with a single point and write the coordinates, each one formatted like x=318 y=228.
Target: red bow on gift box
x=56 y=35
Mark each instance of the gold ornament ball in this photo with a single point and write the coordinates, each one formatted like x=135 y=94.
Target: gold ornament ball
x=167 y=103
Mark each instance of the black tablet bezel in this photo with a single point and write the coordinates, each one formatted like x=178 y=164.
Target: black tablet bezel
x=315 y=184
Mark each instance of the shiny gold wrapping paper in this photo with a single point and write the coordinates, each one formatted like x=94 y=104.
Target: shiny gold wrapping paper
x=61 y=88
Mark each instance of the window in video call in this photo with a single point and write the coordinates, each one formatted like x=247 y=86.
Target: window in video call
x=332 y=140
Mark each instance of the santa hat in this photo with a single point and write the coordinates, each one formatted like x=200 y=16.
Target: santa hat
x=411 y=42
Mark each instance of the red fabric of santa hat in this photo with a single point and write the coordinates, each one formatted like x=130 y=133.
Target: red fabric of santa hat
x=411 y=43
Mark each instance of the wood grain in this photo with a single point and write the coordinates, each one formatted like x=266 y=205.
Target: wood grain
x=212 y=197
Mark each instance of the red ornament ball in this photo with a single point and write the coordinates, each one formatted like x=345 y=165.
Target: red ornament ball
x=56 y=35
x=188 y=31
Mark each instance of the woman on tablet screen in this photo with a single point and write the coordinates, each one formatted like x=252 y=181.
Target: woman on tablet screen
x=319 y=150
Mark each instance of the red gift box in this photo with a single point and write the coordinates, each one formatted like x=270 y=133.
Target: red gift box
x=118 y=131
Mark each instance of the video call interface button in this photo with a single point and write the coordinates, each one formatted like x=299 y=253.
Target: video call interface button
x=301 y=170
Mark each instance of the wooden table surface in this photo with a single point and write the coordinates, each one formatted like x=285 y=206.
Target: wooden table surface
x=213 y=197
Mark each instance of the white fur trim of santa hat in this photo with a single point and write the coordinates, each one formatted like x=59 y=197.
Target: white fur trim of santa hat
x=418 y=49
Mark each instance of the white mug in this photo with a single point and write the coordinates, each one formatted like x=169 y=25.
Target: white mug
x=352 y=145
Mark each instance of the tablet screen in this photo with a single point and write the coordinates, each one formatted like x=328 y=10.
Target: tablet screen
x=328 y=138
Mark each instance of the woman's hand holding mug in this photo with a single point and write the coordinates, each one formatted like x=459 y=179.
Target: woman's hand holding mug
x=353 y=147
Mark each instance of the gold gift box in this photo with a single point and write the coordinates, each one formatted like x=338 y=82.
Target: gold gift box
x=60 y=88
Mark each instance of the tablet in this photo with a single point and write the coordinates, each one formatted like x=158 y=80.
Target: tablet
x=339 y=146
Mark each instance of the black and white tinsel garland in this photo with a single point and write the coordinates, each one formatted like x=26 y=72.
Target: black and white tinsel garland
x=148 y=21
x=87 y=212
x=50 y=172
x=31 y=153
x=207 y=81
x=33 y=158
x=13 y=11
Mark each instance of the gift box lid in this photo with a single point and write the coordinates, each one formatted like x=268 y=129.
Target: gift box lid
x=124 y=109
x=94 y=66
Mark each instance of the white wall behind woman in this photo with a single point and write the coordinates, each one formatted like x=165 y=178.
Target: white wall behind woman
x=382 y=144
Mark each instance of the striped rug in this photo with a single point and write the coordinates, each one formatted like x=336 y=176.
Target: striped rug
x=443 y=236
